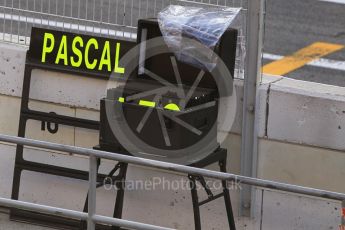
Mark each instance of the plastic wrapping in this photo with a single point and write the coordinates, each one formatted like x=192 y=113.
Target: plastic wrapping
x=186 y=28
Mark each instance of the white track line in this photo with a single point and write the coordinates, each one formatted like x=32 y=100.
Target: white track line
x=322 y=63
x=334 y=1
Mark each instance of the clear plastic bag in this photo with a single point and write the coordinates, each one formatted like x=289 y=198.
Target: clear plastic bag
x=186 y=28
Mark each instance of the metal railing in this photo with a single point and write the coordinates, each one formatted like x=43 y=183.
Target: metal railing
x=77 y=215
x=108 y=18
x=92 y=218
x=342 y=226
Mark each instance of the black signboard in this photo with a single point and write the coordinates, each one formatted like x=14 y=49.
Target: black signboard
x=77 y=52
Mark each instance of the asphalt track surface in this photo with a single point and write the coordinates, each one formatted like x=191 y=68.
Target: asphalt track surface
x=289 y=26
x=294 y=24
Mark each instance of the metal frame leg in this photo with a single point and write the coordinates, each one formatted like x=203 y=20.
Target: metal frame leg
x=21 y=133
x=83 y=224
x=342 y=226
x=227 y=199
x=195 y=200
x=93 y=168
x=120 y=193
x=16 y=185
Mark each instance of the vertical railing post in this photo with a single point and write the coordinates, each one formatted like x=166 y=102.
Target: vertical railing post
x=251 y=83
x=342 y=226
x=92 y=192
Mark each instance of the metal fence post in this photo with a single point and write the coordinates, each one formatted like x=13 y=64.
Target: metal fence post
x=342 y=226
x=92 y=192
x=251 y=83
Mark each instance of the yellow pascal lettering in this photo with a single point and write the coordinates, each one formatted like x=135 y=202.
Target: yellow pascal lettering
x=77 y=52
x=105 y=59
x=93 y=42
x=172 y=107
x=62 y=53
x=147 y=103
x=47 y=49
x=118 y=69
x=121 y=99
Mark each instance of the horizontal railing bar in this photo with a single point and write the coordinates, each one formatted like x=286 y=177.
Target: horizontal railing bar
x=8 y=203
x=176 y=168
x=209 y=4
x=126 y=223
x=203 y=3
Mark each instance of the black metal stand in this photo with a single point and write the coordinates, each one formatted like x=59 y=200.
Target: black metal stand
x=48 y=119
x=51 y=121
x=219 y=156
x=22 y=164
